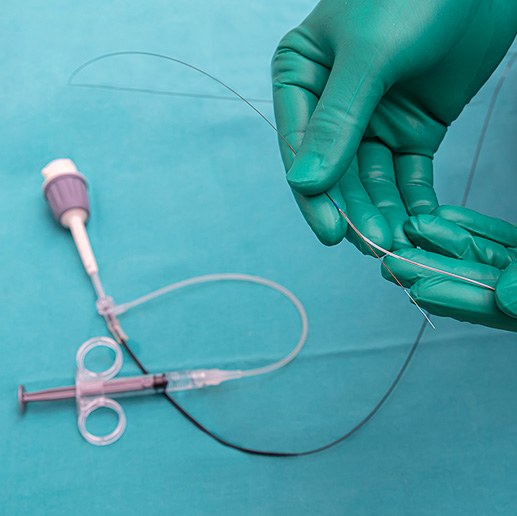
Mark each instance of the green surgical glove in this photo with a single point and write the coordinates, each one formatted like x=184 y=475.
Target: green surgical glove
x=364 y=91
x=463 y=242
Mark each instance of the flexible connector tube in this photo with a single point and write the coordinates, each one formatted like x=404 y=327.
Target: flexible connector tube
x=229 y=375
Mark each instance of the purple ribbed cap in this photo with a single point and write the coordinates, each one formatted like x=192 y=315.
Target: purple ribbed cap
x=65 y=192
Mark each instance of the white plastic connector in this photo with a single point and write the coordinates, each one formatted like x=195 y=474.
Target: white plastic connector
x=199 y=378
x=105 y=307
x=216 y=376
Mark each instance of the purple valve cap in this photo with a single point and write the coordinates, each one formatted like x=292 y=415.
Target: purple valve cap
x=65 y=188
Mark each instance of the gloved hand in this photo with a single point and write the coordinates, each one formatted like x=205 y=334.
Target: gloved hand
x=464 y=242
x=365 y=90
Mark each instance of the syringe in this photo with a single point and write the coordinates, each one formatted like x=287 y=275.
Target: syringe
x=92 y=390
x=134 y=385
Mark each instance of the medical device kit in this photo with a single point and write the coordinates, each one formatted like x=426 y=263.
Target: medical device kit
x=65 y=190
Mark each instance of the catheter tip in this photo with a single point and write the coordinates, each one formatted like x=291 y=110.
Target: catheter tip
x=21 y=400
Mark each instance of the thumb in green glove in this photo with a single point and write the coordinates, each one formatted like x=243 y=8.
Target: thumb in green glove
x=464 y=242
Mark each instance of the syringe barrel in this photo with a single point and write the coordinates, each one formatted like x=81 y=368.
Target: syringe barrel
x=123 y=386
x=155 y=383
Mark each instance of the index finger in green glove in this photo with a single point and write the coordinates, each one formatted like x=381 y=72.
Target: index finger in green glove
x=295 y=88
x=300 y=73
x=366 y=47
x=334 y=131
x=300 y=77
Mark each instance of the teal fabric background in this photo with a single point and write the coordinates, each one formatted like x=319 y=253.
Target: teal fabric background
x=182 y=186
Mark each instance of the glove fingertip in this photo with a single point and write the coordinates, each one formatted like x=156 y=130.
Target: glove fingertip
x=330 y=238
x=330 y=231
x=324 y=220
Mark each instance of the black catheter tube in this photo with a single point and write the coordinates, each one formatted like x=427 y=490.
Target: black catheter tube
x=265 y=453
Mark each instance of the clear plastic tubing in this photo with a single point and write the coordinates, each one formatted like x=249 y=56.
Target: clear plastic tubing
x=210 y=278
